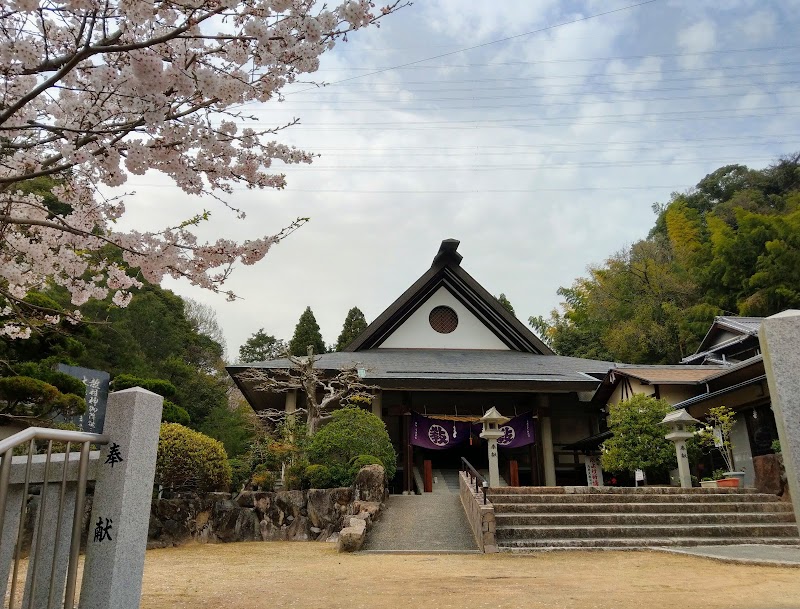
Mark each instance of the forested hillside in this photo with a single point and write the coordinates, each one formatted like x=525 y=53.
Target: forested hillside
x=730 y=246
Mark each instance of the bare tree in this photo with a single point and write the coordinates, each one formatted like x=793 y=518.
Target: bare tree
x=323 y=393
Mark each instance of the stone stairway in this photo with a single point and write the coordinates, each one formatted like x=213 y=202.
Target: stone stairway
x=530 y=518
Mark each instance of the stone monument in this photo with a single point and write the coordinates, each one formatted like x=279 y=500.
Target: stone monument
x=680 y=425
x=779 y=337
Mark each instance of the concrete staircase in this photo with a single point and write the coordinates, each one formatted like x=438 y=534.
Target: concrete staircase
x=531 y=518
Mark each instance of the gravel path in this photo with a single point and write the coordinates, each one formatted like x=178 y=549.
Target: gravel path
x=422 y=523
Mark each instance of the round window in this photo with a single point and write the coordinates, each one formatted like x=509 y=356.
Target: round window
x=443 y=319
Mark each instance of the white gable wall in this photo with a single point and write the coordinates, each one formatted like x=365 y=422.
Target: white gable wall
x=416 y=331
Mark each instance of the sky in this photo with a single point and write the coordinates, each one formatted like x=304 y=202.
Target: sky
x=536 y=134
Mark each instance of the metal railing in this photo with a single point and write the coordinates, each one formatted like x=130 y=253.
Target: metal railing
x=475 y=476
x=80 y=440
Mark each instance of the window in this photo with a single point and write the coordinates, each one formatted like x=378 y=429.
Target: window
x=443 y=319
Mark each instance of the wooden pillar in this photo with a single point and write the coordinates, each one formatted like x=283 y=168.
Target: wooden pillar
x=377 y=404
x=427 y=480
x=405 y=422
x=513 y=473
x=548 y=458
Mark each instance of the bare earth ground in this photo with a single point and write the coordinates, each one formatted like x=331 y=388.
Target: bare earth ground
x=313 y=575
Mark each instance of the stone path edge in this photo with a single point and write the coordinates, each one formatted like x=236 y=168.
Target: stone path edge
x=766 y=562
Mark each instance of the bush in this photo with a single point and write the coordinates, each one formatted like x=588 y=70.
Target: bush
x=189 y=460
x=173 y=413
x=776 y=446
x=294 y=476
x=240 y=474
x=318 y=476
x=638 y=441
x=352 y=433
x=363 y=460
x=161 y=387
x=264 y=479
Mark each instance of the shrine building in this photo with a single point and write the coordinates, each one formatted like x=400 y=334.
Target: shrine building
x=441 y=355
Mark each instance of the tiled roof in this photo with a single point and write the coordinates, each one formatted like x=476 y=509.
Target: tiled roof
x=456 y=364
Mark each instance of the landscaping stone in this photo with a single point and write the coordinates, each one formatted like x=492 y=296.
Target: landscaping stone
x=769 y=476
x=316 y=514
x=370 y=484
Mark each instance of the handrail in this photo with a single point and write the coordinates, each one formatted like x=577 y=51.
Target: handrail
x=80 y=440
x=466 y=466
x=47 y=433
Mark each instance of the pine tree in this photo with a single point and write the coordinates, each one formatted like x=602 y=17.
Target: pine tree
x=261 y=347
x=306 y=333
x=506 y=304
x=354 y=324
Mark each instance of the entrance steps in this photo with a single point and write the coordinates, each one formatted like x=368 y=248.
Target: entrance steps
x=532 y=518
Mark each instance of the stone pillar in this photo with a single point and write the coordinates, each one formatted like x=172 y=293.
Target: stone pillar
x=742 y=455
x=112 y=575
x=377 y=404
x=779 y=337
x=547 y=452
x=291 y=401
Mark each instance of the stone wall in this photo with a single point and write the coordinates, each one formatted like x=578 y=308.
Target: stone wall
x=312 y=515
x=480 y=515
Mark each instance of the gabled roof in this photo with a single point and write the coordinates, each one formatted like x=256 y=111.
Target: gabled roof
x=667 y=375
x=446 y=272
x=743 y=326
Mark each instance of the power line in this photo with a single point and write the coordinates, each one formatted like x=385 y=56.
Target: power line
x=379 y=70
x=485 y=44
x=378 y=107
x=485 y=123
x=570 y=94
x=474 y=191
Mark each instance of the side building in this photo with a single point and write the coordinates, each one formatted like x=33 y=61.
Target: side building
x=727 y=370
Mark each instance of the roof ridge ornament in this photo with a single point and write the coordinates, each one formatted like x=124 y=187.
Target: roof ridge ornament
x=448 y=253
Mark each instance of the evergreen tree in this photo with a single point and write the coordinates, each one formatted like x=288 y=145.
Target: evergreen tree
x=261 y=347
x=306 y=333
x=506 y=304
x=354 y=324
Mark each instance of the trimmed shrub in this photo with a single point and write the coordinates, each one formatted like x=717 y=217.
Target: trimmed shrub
x=161 y=387
x=189 y=460
x=352 y=433
x=363 y=460
x=173 y=413
x=319 y=476
x=294 y=476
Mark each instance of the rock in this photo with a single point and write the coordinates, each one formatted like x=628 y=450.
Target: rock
x=352 y=538
x=319 y=507
x=246 y=499
x=768 y=478
x=316 y=530
x=370 y=483
x=290 y=502
x=373 y=508
x=298 y=530
x=333 y=538
x=247 y=526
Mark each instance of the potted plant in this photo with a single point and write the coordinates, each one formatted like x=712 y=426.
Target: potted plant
x=717 y=435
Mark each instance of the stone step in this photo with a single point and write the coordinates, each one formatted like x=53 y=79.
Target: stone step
x=633 y=498
x=643 y=508
x=531 y=545
x=524 y=532
x=617 y=490
x=588 y=520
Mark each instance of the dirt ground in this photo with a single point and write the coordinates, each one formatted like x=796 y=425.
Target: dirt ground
x=312 y=575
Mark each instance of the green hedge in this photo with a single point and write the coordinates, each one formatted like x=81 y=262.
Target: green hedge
x=189 y=460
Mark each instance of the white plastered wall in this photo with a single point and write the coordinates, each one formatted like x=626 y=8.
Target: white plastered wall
x=416 y=331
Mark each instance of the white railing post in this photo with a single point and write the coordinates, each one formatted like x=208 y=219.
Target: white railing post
x=117 y=540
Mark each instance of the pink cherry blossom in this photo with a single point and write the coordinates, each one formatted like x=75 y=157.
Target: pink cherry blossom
x=91 y=92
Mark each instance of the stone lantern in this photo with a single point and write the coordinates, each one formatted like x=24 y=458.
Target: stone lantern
x=680 y=425
x=492 y=421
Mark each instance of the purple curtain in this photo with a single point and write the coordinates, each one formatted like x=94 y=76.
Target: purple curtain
x=517 y=432
x=437 y=434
